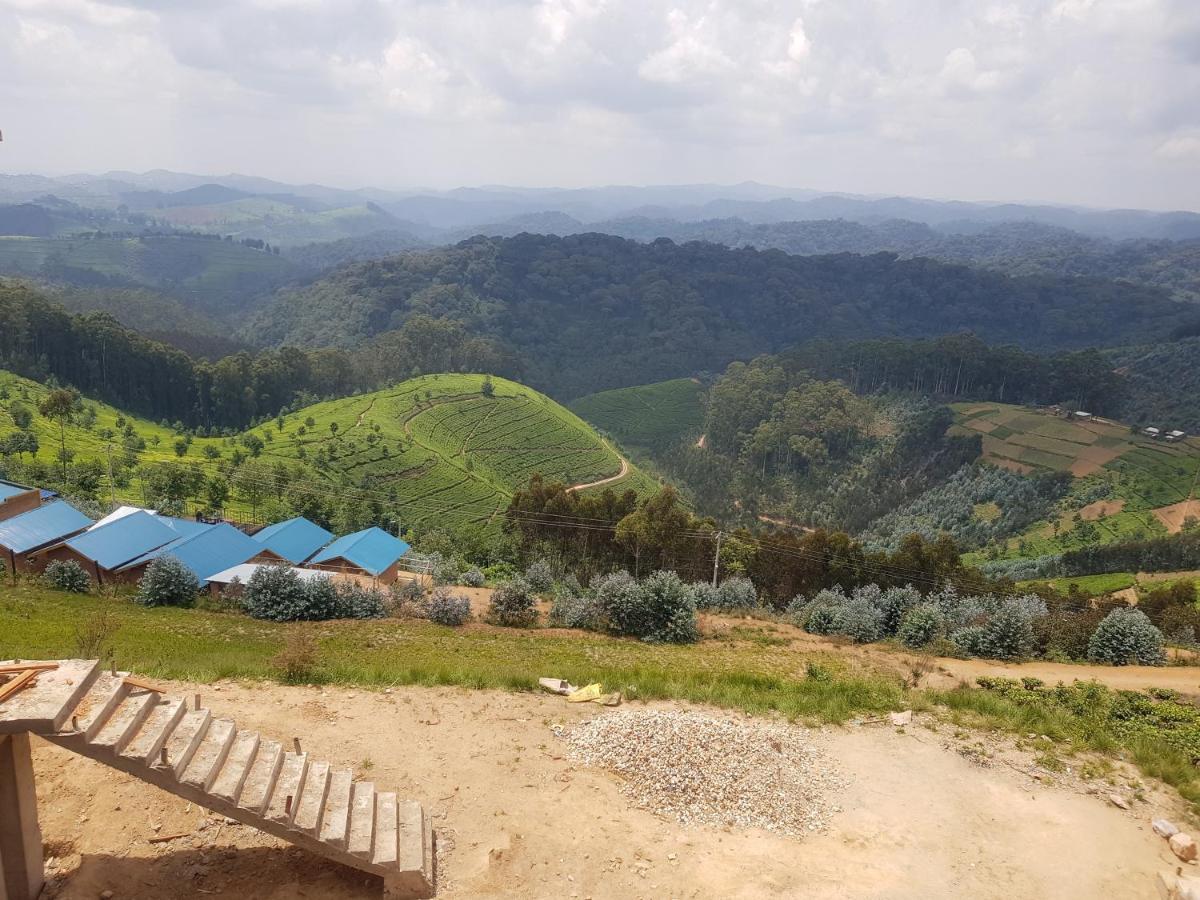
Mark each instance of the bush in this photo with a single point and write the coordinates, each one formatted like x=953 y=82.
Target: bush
x=168 y=582
x=737 y=593
x=296 y=661
x=472 y=578
x=576 y=611
x=539 y=576
x=408 y=598
x=668 y=611
x=895 y=603
x=446 y=608
x=1007 y=635
x=278 y=594
x=357 y=602
x=859 y=619
x=1126 y=637
x=921 y=626
x=705 y=596
x=1065 y=634
x=512 y=605
x=1180 y=624
x=67 y=576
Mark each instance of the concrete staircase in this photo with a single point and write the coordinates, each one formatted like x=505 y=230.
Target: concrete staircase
x=184 y=749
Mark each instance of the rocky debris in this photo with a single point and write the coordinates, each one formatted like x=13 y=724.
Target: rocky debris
x=1118 y=801
x=699 y=768
x=1183 y=846
x=901 y=718
x=1177 y=887
x=1164 y=828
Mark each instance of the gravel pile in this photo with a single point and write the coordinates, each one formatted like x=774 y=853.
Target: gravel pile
x=700 y=768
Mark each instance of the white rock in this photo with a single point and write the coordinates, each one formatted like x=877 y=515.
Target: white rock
x=1183 y=846
x=1164 y=828
x=1187 y=887
x=901 y=718
x=1118 y=800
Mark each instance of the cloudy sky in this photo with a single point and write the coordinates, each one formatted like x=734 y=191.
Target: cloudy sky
x=1082 y=101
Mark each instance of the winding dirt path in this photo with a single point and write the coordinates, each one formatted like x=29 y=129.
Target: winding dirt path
x=609 y=480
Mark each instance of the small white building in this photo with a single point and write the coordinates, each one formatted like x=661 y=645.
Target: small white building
x=1152 y=432
x=1080 y=414
x=1176 y=435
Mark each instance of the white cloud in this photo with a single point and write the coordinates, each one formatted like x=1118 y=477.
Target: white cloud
x=1057 y=99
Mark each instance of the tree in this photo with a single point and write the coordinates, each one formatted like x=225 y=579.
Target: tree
x=170 y=484
x=254 y=480
x=60 y=405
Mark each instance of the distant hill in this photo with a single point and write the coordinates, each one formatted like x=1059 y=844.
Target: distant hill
x=593 y=312
x=214 y=276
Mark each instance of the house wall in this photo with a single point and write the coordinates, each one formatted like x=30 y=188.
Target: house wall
x=21 y=503
x=63 y=553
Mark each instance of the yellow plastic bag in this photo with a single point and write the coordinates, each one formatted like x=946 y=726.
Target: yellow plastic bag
x=584 y=694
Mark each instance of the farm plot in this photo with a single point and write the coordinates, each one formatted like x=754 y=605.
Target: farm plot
x=649 y=416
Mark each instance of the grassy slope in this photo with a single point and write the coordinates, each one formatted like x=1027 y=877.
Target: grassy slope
x=746 y=674
x=649 y=416
x=278 y=222
x=453 y=456
x=1145 y=474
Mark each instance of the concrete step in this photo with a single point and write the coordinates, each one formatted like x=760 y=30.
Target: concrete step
x=228 y=785
x=414 y=847
x=286 y=794
x=150 y=738
x=335 y=823
x=125 y=720
x=184 y=740
x=383 y=849
x=206 y=762
x=260 y=781
x=97 y=704
x=312 y=799
x=362 y=820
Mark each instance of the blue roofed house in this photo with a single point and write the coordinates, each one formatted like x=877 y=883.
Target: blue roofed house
x=106 y=547
x=372 y=552
x=23 y=536
x=16 y=499
x=293 y=541
x=205 y=550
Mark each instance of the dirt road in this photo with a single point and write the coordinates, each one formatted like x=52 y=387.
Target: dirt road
x=603 y=481
x=927 y=814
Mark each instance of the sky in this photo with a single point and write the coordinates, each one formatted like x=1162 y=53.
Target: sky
x=1091 y=102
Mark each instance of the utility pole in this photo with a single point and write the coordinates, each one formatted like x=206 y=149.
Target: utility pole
x=717 y=557
x=112 y=485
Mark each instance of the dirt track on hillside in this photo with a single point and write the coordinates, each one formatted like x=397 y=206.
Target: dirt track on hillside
x=928 y=814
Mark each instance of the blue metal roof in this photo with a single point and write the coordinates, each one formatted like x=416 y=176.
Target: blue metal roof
x=8 y=489
x=116 y=543
x=42 y=526
x=294 y=540
x=185 y=528
x=372 y=550
x=214 y=549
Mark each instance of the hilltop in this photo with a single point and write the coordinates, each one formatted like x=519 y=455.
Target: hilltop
x=434 y=449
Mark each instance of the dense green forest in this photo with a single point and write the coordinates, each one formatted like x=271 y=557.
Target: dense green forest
x=592 y=312
x=1016 y=248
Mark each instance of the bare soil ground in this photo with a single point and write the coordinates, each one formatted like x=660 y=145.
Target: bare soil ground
x=1173 y=516
x=930 y=812
x=1100 y=509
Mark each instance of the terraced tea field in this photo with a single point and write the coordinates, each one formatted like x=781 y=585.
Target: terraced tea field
x=436 y=447
x=649 y=416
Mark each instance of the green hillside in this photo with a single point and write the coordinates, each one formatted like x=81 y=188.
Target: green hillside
x=277 y=221
x=215 y=275
x=437 y=449
x=1125 y=486
x=649 y=416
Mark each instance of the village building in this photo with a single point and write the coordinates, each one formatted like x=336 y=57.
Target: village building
x=294 y=541
x=24 y=535
x=110 y=544
x=1176 y=435
x=205 y=552
x=16 y=499
x=372 y=553
x=232 y=581
x=1152 y=432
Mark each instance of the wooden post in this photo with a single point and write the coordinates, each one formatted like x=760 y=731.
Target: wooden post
x=21 y=875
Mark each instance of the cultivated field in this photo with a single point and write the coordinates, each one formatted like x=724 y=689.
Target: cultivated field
x=1148 y=485
x=436 y=447
x=649 y=416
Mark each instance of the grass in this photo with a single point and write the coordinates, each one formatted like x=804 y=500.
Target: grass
x=1159 y=735
x=649 y=416
x=436 y=445
x=1092 y=585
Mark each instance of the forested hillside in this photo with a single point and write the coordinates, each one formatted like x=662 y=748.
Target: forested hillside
x=593 y=312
